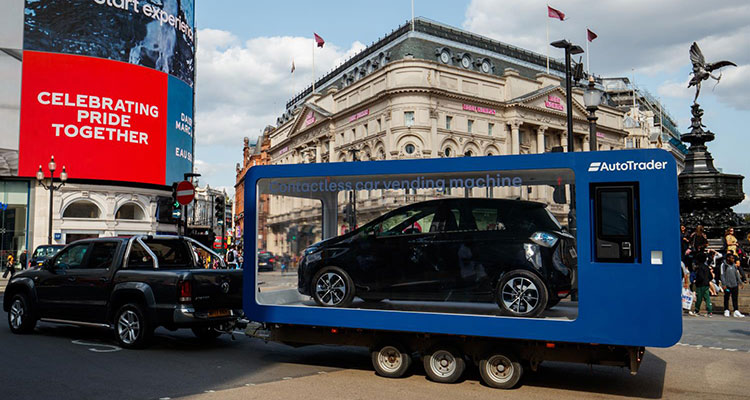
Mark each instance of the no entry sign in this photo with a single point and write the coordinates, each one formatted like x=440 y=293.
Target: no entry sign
x=185 y=192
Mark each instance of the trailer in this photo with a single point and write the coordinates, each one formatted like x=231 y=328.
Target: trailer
x=501 y=262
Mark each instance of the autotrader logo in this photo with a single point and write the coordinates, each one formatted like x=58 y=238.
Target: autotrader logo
x=652 y=165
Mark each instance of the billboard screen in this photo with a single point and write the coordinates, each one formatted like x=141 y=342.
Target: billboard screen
x=107 y=89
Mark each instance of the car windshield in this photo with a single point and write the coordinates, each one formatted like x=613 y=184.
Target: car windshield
x=46 y=251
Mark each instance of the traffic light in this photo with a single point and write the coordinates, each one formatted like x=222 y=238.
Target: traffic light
x=175 y=204
x=219 y=207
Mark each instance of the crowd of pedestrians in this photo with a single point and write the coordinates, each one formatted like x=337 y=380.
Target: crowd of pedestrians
x=709 y=273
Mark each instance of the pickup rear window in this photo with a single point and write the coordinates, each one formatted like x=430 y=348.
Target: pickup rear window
x=172 y=254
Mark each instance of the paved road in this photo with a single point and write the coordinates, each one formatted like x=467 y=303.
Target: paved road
x=65 y=362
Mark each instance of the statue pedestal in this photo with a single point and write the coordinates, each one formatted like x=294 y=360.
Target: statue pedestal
x=707 y=195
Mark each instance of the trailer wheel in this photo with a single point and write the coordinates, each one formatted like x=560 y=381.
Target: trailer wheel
x=521 y=293
x=444 y=364
x=390 y=361
x=502 y=371
x=332 y=287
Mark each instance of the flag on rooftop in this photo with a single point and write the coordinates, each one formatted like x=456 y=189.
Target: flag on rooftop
x=552 y=13
x=319 y=40
x=591 y=35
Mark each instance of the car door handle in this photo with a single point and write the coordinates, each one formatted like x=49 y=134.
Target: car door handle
x=103 y=279
x=71 y=279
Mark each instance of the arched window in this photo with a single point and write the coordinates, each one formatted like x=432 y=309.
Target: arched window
x=82 y=209
x=448 y=151
x=129 y=211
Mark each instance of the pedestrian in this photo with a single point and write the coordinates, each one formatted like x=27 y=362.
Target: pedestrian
x=698 y=240
x=231 y=258
x=23 y=258
x=730 y=242
x=703 y=278
x=684 y=245
x=730 y=283
x=9 y=266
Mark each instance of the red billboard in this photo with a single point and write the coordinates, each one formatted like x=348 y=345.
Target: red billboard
x=102 y=119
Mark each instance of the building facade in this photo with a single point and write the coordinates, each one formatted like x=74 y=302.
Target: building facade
x=429 y=92
x=252 y=155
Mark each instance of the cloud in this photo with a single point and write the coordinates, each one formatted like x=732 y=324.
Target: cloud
x=649 y=36
x=676 y=89
x=244 y=86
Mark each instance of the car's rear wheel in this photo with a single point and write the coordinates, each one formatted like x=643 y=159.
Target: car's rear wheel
x=502 y=371
x=132 y=328
x=390 y=360
x=521 y=293
x=21 y=318
x=444 y=364
x=332 y=287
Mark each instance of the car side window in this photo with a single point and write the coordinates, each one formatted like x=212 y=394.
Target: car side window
x=102 y=255
x=487 y=219
x=408 y=222
x=139 y=258
x=73 y=257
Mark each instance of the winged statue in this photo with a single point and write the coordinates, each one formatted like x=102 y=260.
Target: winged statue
x=702 y=70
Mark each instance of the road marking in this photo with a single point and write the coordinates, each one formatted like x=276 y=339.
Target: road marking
x=108 y=348
x=165 y=398
x=287 y=378
x=249 y=384
x=730 y=349
x=209 y=391
x=715 y=348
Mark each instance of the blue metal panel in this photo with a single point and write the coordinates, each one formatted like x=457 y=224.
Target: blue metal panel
x=620 y=304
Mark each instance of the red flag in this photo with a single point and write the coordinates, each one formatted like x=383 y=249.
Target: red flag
x=552 y=13
x=319 y=40
x=591 y=35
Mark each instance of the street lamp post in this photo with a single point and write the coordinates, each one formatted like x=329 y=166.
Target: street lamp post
x=52 y=166
x=592 y=98
x=570 y=49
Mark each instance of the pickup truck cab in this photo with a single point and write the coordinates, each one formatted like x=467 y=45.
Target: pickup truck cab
x=129 y=284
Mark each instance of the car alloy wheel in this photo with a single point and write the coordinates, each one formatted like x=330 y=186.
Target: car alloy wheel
x=331 y=289
x=17 y=311
x=520 y=295
x=128 y=327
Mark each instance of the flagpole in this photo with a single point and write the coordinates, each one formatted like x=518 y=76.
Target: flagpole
x=412 y=15
x=547 y=44
x=588 y=64
x=313 y=65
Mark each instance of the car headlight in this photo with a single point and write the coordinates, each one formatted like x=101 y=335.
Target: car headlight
x=544 y=239
x=312 y=257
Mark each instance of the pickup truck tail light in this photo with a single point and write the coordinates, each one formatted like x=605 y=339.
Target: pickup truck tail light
x=185 y=290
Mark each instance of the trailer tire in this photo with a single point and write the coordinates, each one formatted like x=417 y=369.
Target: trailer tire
x=332 y=287
x=501 y=371
x=521 y=293
x=390 y=360
x=444 y=364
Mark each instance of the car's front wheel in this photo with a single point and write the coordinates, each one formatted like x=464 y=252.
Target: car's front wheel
x=132 y=328
x=20 y=316
x=332 y=287
x=521 y=293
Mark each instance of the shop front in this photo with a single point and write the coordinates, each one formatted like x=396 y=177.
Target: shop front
x=14 y=206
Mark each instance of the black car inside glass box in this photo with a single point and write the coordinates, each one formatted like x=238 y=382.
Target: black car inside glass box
x=511 y=252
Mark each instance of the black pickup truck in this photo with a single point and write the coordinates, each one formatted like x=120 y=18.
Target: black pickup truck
x=130 y=284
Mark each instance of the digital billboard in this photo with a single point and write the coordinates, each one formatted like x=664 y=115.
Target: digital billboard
x=107 y=88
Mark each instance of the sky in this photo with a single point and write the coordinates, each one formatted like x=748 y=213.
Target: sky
x=246 y=49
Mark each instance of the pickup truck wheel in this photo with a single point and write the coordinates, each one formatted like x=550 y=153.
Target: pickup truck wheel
x=332 y=287
x=500 y=371
x=521 y=293
x=390 y=361
x=205 y=332
x=444 y=364
x=132 y=329
x=20 y=317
